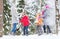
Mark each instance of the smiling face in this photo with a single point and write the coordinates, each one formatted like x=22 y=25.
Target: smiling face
x=24 y=13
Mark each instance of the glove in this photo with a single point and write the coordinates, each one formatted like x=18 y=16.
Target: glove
x=17 y=29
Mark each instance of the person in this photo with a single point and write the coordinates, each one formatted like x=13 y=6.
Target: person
x=44 y=28
x=25 y=22
x=46 y=17
x=39 y=23
x=14 y=23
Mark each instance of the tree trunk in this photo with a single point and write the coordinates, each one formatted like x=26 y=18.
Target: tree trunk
x=1 y=18
x=57 y=16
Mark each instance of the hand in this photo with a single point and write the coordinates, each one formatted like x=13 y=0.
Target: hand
x=17 y=29
x=19 y=18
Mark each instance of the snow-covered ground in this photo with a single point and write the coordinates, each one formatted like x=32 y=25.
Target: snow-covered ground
x=44 y=36
x=35 y=36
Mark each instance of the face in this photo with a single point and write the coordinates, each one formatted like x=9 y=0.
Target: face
x=23 y=14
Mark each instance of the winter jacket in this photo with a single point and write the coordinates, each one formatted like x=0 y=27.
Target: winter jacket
x=24 y=21
x=39 y=19
x=49 y=18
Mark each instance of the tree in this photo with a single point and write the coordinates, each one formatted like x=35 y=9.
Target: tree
x=20 y=6
x=6 y=17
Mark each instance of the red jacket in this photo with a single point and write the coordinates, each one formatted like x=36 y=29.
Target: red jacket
x=25 y=21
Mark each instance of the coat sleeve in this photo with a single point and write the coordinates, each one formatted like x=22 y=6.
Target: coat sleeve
x=21 y=20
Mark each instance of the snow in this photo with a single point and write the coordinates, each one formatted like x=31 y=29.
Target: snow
x=35 y=36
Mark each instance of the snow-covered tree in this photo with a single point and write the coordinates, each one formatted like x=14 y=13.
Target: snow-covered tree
x=6 y=17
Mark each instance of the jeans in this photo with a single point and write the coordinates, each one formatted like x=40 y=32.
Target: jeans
x=14 y=27
x=39 y=30
x=25 y=30
x=46 y=27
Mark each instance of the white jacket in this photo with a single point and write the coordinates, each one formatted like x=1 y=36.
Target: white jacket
x=49 y=17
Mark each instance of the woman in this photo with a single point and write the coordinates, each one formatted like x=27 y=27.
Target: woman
x=47 y=20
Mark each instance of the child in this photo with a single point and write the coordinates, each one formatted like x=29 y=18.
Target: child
x=25 y=22
x=39 y=23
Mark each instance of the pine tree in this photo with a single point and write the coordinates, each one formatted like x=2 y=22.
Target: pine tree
x=6 y=17
x=20 y=5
